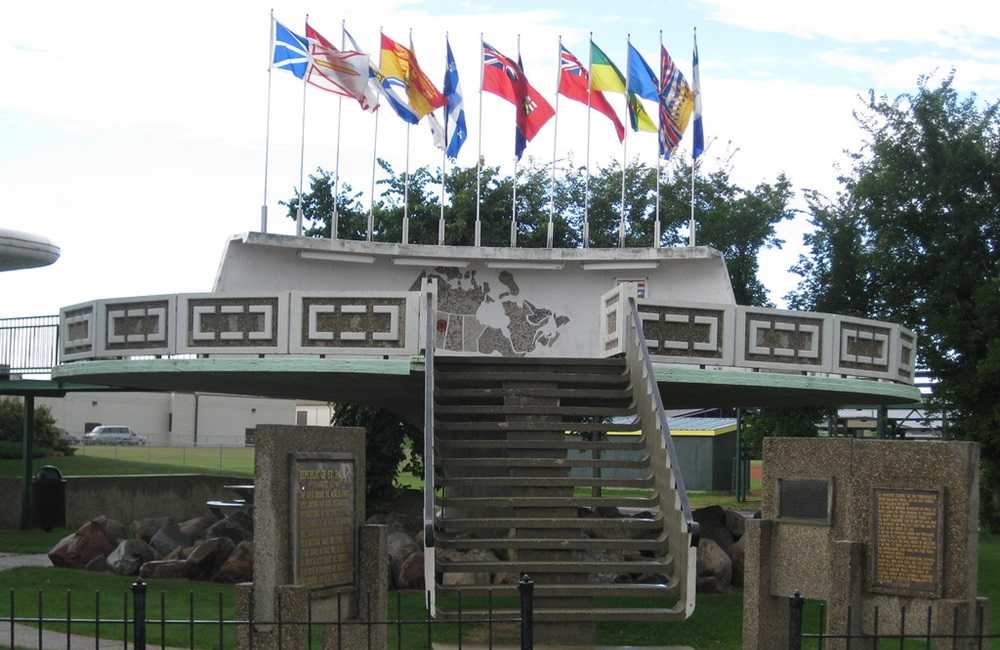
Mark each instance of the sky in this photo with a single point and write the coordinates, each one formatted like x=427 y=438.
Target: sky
x=133 y=134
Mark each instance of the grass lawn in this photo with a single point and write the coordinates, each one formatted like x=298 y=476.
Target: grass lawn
x=110 y=460
x=30 y=541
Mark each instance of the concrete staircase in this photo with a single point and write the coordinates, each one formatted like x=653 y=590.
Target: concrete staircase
x=531 y=477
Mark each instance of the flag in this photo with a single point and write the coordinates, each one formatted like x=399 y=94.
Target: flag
x=454 y=112
x=399 y=69
x=699 y=133
x=289 y=51
x=641 y=79
x=506 y=79
x=342 y=73
x=605 y=75
x=676 y=103
x=574 y=82
x=373 y=89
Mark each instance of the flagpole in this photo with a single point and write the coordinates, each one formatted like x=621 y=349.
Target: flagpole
x=586 y=183
x=371 y=195
x=691 y=233
x=555 y=133
x=628 y=114
x=302 y=146
x=513 y=207
x=479 y=146
x=444 y=154
x=659 y=134
x=335 y=218
x=406 y=176
x=267 y=128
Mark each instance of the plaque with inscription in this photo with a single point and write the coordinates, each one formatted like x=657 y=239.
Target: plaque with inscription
x=907 y=546
x=805 y=500
x=323 y=520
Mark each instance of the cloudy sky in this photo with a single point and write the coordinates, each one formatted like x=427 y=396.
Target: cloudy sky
x=132 y=134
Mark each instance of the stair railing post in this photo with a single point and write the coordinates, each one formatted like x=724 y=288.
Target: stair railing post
x=526 y=590
x=795 y=604
x=139 y=615
x=429 y=290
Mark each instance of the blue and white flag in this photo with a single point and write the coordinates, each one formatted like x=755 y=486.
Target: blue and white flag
x=641 y=79
x=454 y=110
x=699 y=134
x=289 y=51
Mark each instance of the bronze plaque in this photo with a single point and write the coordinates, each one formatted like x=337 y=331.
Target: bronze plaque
x=907 y=534
x=323 y=520
x=805 y=500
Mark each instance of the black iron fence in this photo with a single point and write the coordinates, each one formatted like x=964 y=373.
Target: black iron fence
x=29 y=344
x=138 y=617
x=915 y=628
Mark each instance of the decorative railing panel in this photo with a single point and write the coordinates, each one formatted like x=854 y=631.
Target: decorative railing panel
x=906 y=354
x=78 y=331
x=362 y=323
x=136 y=326
x=612 y=317
x=689 y=332
x=782 y=340
x=864 y=347
x=211 y=323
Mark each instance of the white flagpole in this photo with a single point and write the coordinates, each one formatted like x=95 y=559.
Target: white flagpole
x=267 y=128
x=479 y=146
x=444 y=151
x=406 y=190
x=302 y=147
x=628 y=108
x=586 y=182
x=371 y=195
x=555 y=132
x=691 y=233
x=513 y=207
x=656 y=225
x=335 y=218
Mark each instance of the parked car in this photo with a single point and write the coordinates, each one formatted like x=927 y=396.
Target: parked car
x=69 y=438
x=113 y=435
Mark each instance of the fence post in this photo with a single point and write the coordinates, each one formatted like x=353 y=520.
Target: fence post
x=795 y=604
x=139 y=615
x=526 y=589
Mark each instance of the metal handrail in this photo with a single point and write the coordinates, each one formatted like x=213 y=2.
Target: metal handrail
x=665 y=438
x=429 y=344
x=29 y=344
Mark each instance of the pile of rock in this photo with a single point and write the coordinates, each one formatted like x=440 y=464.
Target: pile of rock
x=200 y=548
x=720 y=550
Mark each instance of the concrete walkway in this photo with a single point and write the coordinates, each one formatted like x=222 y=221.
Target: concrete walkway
x=15 y=560
x=26 y=636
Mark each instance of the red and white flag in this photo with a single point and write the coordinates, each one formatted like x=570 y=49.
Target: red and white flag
x=342 y=72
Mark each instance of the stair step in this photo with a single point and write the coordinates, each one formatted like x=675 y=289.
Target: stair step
x=625 y=523
x=449 y=461
x=545 y=481
x=530 y=425
x=444 y=409
x=558 y=544
x=635 y=443
x=550 y=502
x=548 y=566
x=603 y=590
x=444 y=361
x=561 y=393
x=570 y=616
x=494 y=377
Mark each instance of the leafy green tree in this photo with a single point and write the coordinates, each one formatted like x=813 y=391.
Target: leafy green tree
x=47 y=435
x=387 y=437
x=918 y=225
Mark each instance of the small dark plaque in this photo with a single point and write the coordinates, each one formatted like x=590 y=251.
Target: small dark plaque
x=907 y=541
x=322 y=495
x=806 y=500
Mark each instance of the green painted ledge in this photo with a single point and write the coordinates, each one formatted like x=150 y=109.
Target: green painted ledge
x=374 y=366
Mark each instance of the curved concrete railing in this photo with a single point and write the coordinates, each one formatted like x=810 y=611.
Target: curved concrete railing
x=387 y=323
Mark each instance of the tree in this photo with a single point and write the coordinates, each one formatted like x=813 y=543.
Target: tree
x=917 y=224
x=386 y=438
x=47 y=435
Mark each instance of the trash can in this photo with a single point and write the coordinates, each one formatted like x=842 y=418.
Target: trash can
x=48 y=500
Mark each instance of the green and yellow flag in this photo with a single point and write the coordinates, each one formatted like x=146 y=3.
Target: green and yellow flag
x=605 y=76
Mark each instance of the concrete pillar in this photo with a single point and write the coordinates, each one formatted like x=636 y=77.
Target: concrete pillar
x=847 y=575
x=765 y=616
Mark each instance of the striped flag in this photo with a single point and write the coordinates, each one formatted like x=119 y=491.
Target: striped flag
x=699 y=132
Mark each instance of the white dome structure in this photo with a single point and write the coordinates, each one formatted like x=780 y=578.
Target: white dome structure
x=21 y=250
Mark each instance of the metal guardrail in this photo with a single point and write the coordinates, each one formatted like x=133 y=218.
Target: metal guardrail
x=429 y=318
x=683 y=531
x=29 y=344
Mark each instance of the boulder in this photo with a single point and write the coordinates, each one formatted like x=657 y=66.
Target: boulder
x=179 y=553
x=229 y=528
x=709 y=585
x=399 y=546
x=145 y=528
x=736 y=522
x=712 y=525
x=165 y=569
x=99 y=563
x=195 y=528
x=736 y=554
x=242 y=519
x=603 y=556
x=466 y=579
x=714 y=562
x=130 y=554
x=208 y=557
x=77 y=550
x=238 y=567
x=411 y=572
x=113 y=528
x=397 y=522
x=168 y=538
